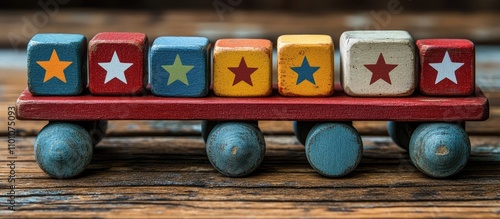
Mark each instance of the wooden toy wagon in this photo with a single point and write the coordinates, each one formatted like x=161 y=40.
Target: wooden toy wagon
x=377 y=84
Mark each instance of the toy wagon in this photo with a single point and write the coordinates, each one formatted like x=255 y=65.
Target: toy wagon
x=427 y=104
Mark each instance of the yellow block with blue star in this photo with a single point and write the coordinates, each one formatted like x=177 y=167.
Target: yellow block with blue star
x=242 y=67
x=305 y=65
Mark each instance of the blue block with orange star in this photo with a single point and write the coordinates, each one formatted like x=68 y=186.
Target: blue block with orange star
x=180 y=66
x=118 y=63
x=242 y=67
x=378 y=63
x=447 y=67
x=57 y=64
x=305 y=65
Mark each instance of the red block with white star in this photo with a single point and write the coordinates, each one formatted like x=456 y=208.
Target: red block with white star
x=447 y=67
x=378 y=63
x=242 y=67
x=117 y=63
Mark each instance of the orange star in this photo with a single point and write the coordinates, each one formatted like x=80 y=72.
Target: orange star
x=54 y=67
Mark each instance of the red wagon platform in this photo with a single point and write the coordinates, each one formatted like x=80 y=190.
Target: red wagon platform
x=431 y=128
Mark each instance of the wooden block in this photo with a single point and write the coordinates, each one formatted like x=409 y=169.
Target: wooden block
x=378 y=63
x=305 y=65
x=117 y=63
x=180 y=66
x=447 y=67
x=242 y=67
x=56 y=64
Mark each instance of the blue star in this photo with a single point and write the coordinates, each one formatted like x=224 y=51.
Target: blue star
x=305 y=72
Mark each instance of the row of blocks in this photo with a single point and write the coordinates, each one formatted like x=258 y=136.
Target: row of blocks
x=374 y=63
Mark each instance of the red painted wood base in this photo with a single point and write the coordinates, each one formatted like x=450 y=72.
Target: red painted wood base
x=447 y=67
x=337 y=107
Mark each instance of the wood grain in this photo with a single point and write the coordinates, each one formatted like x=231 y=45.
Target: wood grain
x=171 y=177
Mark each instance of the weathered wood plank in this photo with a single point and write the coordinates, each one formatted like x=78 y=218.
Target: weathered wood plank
x=162 y=176
x=218 y=209
x=74 y=195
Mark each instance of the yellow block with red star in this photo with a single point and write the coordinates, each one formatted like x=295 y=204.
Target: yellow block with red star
x=56 y=64
x=305 y=65
x=242 y=67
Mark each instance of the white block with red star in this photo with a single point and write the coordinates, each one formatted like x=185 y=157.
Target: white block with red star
x=447 y=67
x=378 y=63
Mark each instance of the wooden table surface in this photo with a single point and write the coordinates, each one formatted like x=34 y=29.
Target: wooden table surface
x=160 y=169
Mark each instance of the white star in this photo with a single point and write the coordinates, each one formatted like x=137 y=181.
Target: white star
x=115 y=69
x=446 y=69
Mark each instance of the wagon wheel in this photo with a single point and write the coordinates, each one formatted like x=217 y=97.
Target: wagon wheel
x=302 y=128
x=440 y=149
x=401 y=132
x=63 y=150
x=208 y=125
x=334 y=149
x=235 y=149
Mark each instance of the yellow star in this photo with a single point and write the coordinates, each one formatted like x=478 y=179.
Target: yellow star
x=54 y=67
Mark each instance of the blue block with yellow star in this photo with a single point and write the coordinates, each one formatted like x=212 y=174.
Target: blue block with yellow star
x=242 y=67
x=305 y=65
x=180 y=66
x=57 y=64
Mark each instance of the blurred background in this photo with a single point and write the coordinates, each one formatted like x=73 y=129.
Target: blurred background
x=475 y=20
x=215 y=19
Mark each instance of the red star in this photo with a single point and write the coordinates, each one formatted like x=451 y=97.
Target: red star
x=242 y=73
x=380 y=70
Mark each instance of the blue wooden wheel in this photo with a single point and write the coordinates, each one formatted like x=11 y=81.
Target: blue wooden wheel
x=63 y=150
x=208 y=125
x=334 y=149
x=235 y=149
x=440 y=149
x=96 y=129
x=101 y=126
x=302 y=128
x=401 y=132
